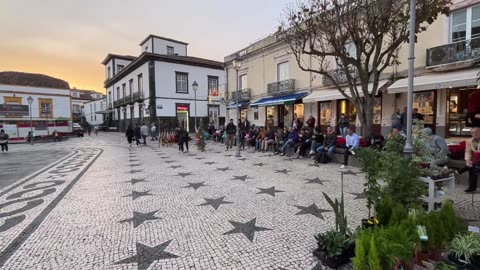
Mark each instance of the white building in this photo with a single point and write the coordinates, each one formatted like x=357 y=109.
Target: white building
x=94 y=111
x=157 y=87
x=50 y=110
x=79 y=98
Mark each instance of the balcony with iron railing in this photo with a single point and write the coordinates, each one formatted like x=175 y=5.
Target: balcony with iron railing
x=281 y=87
x=137 y=96
x=128 y=100
x=117 y=103
x=462 y=51
x=339 y=76
x=243 y=94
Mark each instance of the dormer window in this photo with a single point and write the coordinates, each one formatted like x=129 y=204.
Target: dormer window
x=75 y=94
x=146 y=48
x=170 y=50
x=120 y=67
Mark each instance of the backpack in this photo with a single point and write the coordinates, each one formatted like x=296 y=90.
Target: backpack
x=322 y=158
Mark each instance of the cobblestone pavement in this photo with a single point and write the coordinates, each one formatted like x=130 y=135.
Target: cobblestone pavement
x=109 y=206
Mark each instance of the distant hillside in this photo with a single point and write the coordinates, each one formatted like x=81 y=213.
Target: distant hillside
x=32 y=79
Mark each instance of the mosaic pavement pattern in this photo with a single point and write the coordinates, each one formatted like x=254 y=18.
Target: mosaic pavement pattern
x=109 y=206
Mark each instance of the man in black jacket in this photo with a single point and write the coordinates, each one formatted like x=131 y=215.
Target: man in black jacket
x=231 y=129
x=138 y=134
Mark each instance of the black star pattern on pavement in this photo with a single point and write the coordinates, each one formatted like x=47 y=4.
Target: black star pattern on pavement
x=218 y=152
x=164 y=157
x=161 y=154
x=349 y=172
x=313 y=165
x=170 y=161
x=147 y=255
x=137 y=194
x=137 y=180
x=359 y=196
x=209 y=163
x=133 y=160
x=241 y=178
x=175 y=166
x=259 y=164
x=288 y=159
x=135 y=171
x=229 y=155
x=284 y=171
x=313 y=210
x=215 y=203
x=270 y=191
x=316 y=180
x=184 y=174
x=196 y=185
x=192 y=155
x=266 y=156
x=138 y=218
x=224 y=169
x=134 y=165
x=248 y=228
x=200 y=158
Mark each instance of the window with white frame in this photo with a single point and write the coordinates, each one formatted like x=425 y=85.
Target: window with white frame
x=75 y=94
x=242 y=82
x=170 y=50
x=465 y=24
x=109 y=73
x=130 y=86
x=118 y=93
x=212 y=86
x=76 y=108
x=181 y=79
x=120 y=67
x=109 y=97
x=282 y=71
x=124 y=90
x=140 y=83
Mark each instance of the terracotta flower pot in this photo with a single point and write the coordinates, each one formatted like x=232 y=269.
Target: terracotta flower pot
x=421 y=256
x=436 y=254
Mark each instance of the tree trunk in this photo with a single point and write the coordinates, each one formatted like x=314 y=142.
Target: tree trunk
x=365 y=115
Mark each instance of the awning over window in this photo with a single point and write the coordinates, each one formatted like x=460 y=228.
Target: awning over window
x=241 y=103
x=443 y=80
x=278 y=100
x=334 y=94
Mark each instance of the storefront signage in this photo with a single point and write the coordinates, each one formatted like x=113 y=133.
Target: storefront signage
x=14 y=110
x=182 y=108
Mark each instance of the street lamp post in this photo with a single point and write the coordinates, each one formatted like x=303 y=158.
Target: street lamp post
x=409 y=149
x=237 y=63
x=30 y=101
x=195 y=88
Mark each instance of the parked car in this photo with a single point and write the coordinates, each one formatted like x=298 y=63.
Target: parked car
x=77 y=129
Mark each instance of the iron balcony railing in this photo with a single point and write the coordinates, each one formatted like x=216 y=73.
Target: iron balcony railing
x=454 y=52
x=137 y=96
x=243 y=94
x=128 y=99
x=117 y=103
x=281 y=87
x=339 y=76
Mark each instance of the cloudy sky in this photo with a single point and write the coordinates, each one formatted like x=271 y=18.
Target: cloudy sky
x=68 y=39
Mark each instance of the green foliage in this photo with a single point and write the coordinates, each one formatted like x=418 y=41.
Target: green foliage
x=444 y=266
x=368 y=159
x=334 y=243
x=373 y=256
x=362 y=245
x=339 y=210
x=399 y=214
x=395 y=144
x=451 y=223
x=465 y=246
x=384 y=210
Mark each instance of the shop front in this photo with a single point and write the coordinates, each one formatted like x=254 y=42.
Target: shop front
x=232 y=108
x=183 y=115
x=463 y=105
x=281 y=110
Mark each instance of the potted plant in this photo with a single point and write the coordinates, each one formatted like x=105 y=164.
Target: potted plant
x=335 y=247
x=464 y=251
x=370 y=165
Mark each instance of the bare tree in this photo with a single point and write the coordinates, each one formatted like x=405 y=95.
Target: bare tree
x=362 y=36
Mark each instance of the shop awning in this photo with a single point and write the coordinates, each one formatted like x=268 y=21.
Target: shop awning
x=443 y=80
x=241 y=103
x=334 y=94
x=278 y=100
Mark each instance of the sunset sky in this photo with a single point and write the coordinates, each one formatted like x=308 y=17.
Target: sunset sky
x=68 y=39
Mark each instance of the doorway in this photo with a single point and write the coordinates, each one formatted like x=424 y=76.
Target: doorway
x=213 y=115
x=183 y=114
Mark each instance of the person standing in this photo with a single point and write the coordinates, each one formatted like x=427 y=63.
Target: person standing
x=351 y=145
x=403 y=120
x=137 y=133
x=343 y=124
x=145 y=131
x=311 y=123
x=417 y=116
x=396 y=119
x=129 y=134
x=4 y=140
x=89 y=129
x=184 y=138
x=472 y=153
x=154 y=132
x=95 y=130
x=231 y=129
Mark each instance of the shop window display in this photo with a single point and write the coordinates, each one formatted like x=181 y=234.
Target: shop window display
x=298 y=110
x=325 y=113
x=377 y=111
x=425 y=103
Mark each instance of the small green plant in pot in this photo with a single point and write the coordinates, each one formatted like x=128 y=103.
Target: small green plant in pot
x=335 y=247
x=464 y=250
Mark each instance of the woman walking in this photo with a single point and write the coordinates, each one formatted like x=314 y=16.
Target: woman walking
x=4 y=140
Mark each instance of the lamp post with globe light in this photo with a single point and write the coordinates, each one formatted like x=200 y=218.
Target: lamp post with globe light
x=195 y=88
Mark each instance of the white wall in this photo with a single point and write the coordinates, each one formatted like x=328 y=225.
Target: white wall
x=121 y=62
x=143 y=69
x=90 y=115
x=166 y=88
x=160 y=47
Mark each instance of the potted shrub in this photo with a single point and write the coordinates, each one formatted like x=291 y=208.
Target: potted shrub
x=335 y=247
x=464 y=251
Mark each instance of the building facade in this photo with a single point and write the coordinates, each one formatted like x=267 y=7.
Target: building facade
x=79 y=98
x=95 y=111
x=156 y=87
x=50 y=110
x=274 y=89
